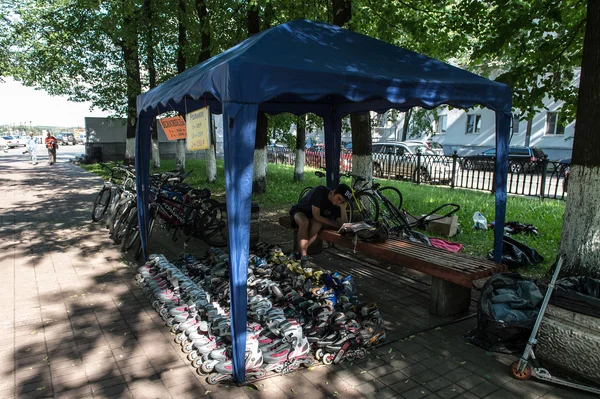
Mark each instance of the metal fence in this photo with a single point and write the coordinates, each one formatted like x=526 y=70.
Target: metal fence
x=539 y=178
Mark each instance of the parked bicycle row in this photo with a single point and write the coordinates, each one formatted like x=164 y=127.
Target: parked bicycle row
x=175 y=205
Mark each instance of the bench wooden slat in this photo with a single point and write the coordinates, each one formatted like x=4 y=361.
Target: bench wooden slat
x=436 y=262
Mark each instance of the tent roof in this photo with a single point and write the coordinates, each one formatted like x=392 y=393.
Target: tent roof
x=300 y=62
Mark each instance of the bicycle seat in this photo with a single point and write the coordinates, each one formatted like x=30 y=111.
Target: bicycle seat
x=320 y=174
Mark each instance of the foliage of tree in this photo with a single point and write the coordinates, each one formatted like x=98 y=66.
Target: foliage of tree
x=533 y=46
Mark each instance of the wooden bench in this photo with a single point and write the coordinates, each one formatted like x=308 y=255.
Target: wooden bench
x=452 y=274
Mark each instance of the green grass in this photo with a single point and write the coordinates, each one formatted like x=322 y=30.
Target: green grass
x=282 y=192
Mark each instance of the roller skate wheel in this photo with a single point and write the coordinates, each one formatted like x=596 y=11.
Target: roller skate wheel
x=319 y=354
x=192 y=356
x=179 y=338
x=174 y=328
x=327 y=359
x=520 y=375
x=213 y=379
x=197 y=362
x=187 y=348
x=361 y=353
x=207 y=367
x=351 y=356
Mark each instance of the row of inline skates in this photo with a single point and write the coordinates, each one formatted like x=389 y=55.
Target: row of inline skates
x=294 y=313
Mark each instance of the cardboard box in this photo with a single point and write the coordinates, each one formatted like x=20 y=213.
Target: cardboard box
x=446 y=226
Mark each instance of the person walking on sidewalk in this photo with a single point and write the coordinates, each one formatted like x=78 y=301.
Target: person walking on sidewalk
x=31 y=146
x=51 y=145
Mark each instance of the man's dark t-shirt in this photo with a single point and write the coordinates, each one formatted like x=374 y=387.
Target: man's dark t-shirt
x=318 y=197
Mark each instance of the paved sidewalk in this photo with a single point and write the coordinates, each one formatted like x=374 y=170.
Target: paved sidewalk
x=77 y=326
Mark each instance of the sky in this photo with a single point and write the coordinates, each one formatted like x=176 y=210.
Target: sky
x=20 y=104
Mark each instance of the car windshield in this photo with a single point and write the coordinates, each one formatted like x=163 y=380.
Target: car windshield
x=518 y=151
x=435 y=145
x=490 y=153
x=7 y=137
x=419 y=147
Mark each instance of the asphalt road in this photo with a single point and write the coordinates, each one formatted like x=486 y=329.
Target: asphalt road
x=64 y=153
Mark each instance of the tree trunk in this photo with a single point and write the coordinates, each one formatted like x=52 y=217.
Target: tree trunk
x=342 y=12
x=181 y=66
x=406 y=124
x=148 y=13
x=259 y=179
x=210 y=159
x=300 y=148
x=580 y=239
x=205 y=29
x=362 y=159
x=129 y=48
x=211 y=162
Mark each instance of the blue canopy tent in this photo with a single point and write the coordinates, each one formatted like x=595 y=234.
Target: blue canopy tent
x=301 y=67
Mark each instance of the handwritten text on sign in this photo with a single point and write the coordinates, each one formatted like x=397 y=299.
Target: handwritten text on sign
x=174 y=127
x=198 y=129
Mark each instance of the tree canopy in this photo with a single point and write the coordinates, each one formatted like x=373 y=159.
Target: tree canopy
x=75 y=47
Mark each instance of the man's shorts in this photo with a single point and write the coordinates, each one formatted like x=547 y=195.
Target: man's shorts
x=294 y=211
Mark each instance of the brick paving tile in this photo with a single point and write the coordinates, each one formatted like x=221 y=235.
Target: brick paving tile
x=383 y=393
x=109 y=391
x=417 y=392
x=393 y=378
x=484 y=389
x=381 y=371
x=470 y=382
x=432 y=396
x=425 y=376
x=437 y=384
x=369 y=387
x=414 y=369
x=78 y=392
x=450 y=391
x=504 y=394
x=67 y=382
x=404 y=386
x=457 y=374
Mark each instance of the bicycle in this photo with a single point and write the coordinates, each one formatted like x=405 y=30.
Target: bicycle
x=110 y=190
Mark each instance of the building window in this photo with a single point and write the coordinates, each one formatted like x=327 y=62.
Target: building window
x=516 y=120
x=553 y=124
x=473 y=124
x=441 y=124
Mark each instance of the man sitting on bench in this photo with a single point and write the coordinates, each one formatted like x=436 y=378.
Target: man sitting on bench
x=320 y=207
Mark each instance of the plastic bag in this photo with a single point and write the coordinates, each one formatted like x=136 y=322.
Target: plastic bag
x=506 y=312
x=479 y=221
x=580 y=294
x=515 y=254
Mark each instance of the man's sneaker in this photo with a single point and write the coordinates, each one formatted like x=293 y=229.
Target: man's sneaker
x=306 y=262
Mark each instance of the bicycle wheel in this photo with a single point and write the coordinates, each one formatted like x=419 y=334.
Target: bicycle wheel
x=132 y=231
x=123 y=216
x=214 y=223
x=304 y=192
x=137 y=247
x=193 y=218
x=366 y=207
x=392 y=194
x=101 y=204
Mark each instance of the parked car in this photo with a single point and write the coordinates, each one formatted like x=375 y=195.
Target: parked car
x=399 y=159
x=519 y=159
x=10 y=141
x=3 y=145
x=69 y=139
x=59 y=139
x=434 y=146
x=20 y=140
x=81 y=139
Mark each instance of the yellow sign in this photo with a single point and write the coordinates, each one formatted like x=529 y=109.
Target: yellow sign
x=174 y=127
x=198 y=129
